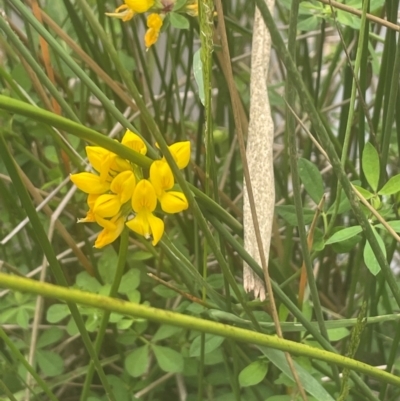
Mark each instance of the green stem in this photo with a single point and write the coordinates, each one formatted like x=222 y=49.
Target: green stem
x=177 y=319
x=123 y=249
x=46 y=246
x=17 y=354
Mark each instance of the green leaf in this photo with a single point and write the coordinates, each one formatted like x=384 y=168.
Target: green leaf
x=371 y=166
x=23 y=318
x=108 y=264
x=130 y=281
x=50 y=363
x=391 y=187
x=309 y=23
x=50 y=336
x=288 y=213
x=395 y=224
x=119 y=387
x=344 y=234
x=137 y=361
x=86 y=282
x=364 y=192
x=311 y=385
x=198 y=75
x=216 y=280
x=51 y=154
x=211 y=343
x=127 y=61
x=168 y=359
x=124 y=324
x=178 y=21
x=57 y=313
x=179 y=4
x=166 y=331
x=311 y=179
x=253 y=373
x=164 y=292
x=338 y=333
x=369 y=257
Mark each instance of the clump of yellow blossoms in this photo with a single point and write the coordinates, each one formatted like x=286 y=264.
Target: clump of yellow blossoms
x=160 y=10
x=119 y=191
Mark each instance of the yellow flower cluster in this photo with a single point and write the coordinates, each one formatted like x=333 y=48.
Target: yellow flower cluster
x=127 y=11
x=118 y=190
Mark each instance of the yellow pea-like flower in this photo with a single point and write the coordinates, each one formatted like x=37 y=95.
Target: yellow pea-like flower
x=163 y=180
x=154 y=23
x=144 y=202
x=134 y=142
x=90 y=183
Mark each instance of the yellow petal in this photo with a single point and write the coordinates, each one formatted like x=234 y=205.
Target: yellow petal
x=123 y=185
x=139 y=6
x=89 y=183
x=91 y=200
x=134 y=142
x=157 y=228
x=108 y=236
x=107 y=205
x=122 y=12
x=147 y=225
x=181 y=153
x=173 y=202
x=154 y=23
x=161 y=176
x=105 y=223
x=89 y=218
x=121 y=164
x=144 y=197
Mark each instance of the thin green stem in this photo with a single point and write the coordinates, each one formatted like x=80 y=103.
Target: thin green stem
x=189 y=322
x=17 y=354
x=123 y=250
x=47 y=248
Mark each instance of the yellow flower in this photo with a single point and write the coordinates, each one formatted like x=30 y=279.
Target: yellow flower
x=122 y=186
x=144 y=202
x=130 y=8
x=101 y=160
x=180 y=151
x=107 y=205
x=192 y=9
x=134 y=142
x=90 y=216
x=90 y=183
x=111 y=232
x=154 y=23
x=163 y=180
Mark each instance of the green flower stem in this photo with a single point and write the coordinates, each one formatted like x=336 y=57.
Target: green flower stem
x=17 y=354
x=323 y=136
x=46 y=246
x=27 y=14
x=192 y=323
x=123 y=249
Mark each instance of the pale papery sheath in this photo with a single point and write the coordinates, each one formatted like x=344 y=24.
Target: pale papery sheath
x=259 y=156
